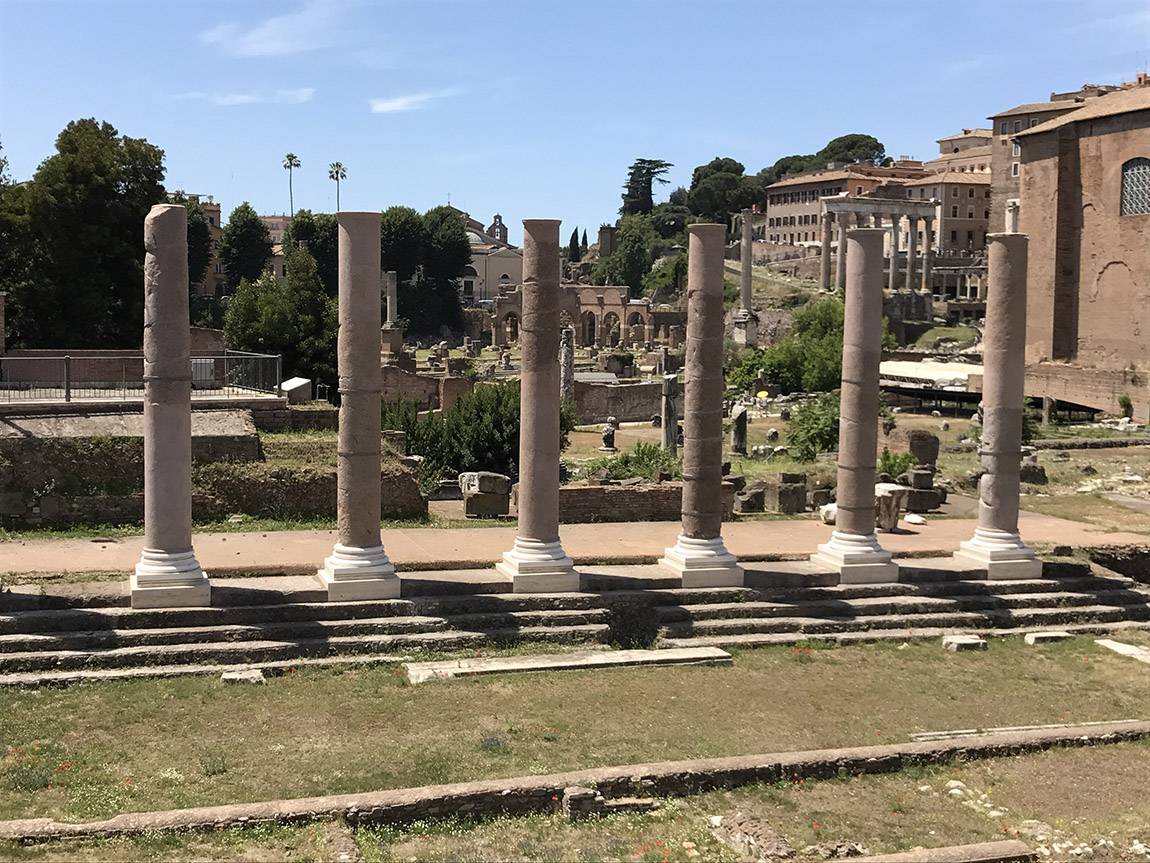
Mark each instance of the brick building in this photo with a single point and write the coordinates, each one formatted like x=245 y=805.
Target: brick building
x=1084 y=191
x=962 y=212
x=968 y=151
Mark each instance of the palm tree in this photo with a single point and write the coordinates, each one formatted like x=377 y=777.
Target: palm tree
x=336 y=171
x=291 y=160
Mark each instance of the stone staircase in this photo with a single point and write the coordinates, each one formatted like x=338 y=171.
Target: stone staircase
x=54 y=638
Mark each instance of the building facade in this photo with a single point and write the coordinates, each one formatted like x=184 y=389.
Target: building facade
x=962 y=210
x=1084 y=187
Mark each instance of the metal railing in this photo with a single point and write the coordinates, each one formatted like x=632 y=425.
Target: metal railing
x=96 y=377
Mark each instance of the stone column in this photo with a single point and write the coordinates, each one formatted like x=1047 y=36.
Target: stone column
x=537 y=563
x=892 y=282
x=392 y=284
x=825 y=261
x=841 y=263
x=854 y=550
x=911 y=250
x=927 y=254
x=699 y=557
x=996 y=543
x=746 y=261
x=567 y=364
x=670 y=419
x=1012 y=209
x=168 y=573
x=358 y=568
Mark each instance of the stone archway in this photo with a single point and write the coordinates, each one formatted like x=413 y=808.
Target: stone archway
x=588 y=324
x=636 y=333
x=612 y=330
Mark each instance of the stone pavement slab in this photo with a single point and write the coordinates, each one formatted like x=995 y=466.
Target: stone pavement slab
x=447 y=669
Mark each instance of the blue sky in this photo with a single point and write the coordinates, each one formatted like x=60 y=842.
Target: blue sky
x=530 y=108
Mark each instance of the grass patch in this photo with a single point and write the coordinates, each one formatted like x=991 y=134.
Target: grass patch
x=337 y=728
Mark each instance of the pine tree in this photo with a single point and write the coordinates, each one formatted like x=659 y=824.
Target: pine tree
x=573 y=252
x=583 y=245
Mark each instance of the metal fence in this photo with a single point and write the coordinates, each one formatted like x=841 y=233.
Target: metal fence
x=94 y=377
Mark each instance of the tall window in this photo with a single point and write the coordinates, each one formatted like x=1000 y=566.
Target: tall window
x=1135 y=187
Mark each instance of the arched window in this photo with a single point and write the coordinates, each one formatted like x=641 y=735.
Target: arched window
x=505 y=278
x=1135 y=187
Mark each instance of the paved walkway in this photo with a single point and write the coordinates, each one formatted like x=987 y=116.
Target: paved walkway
x=297 y=552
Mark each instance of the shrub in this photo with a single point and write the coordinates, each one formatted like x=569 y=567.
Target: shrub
x=645 y=460
x=1126 y=405
x=894 y=463
x=814 y=428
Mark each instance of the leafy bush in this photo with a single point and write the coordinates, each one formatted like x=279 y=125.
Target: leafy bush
x=480 y=431
x=895 y=463
x=645 y=461
x=814 y=428
x=1126 y=405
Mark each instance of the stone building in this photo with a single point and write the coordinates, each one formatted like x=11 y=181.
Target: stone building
x=495 y=263
x=1084 y=190
x=794 y=203
x=1005 y=161
x=962 y=210
x=966 y=152
x=215 y=278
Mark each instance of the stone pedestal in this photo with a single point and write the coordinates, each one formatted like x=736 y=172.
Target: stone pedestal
x=537 y=563
x=699 y=557
x=746 y=329
x=854 y=550
x=996 y=544
x=358 y=567
x=168 y=574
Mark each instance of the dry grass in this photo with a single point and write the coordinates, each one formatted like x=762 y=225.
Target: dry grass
x=141 y=745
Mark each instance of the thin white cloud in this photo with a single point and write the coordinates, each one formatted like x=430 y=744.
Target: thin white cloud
x=309 y=29
x=410 y=102
x=271 y=97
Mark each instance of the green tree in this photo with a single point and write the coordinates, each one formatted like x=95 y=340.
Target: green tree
x=75 y=269
x=719 y=189
x=574 y=254
x=295 y=318
x=199 y=242
x=670 y=220
x=291 y=162
x=320 y=235
x=631 y=261
x=15 y=248
x=856 y=147
x=245 y=245
x=583 y=244
x=403 y=237
x=638 y=196
x=814 y=428
x=336 y=171
x=446 y=254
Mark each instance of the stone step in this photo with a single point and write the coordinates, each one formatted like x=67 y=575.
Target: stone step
x=897 y=605
x=768 y=639
x=246 y=652
x=966 y=620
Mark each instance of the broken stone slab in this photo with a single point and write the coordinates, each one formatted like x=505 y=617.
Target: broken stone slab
x=485 y=482
x=828 y=513
x=914 y=518
x=1033 y=638
x=1131 y=650
x=246 y=675
x=889 y=501
x=1003 y=851
x=478 y=504
x=751 y=836
x=963 y=642
x=418 y=672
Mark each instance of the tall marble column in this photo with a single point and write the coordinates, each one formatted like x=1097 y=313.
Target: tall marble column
x=841 y=262
x=391 y=282
x=537 y=563
x=996 y=543
x=670 y=418
x=892 y=282
x=358 y=567
x=854 y=549
x=746 y=324
x=567 y=364
x=927 y=255
x=825 y=260
x=911 y=250
x=699 y=557
x=168 y=574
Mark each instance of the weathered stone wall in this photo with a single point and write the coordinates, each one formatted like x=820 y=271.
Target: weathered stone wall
x=628 y=402
x=1096 y=388
x=285 y=419
x=432 y=392
x=647 y=502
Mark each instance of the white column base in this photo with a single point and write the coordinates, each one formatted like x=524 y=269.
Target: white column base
x=169 y=580
x=1002 y=553
x=355 y=574
x=857 y=559
x=539 y=567
x=703 y=563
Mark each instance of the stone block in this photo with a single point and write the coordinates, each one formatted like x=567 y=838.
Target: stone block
x=478 y=504
x=792 y=478
x=246 y=675
x=1033 y=638
x=786 y=498
x=749 y=500
x=920 y=478
x=296 y=390
x=924 y=499
x=1035 y=474
x=485 y=482
x=819 y=497
x=889 y=500
x=963 y=642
